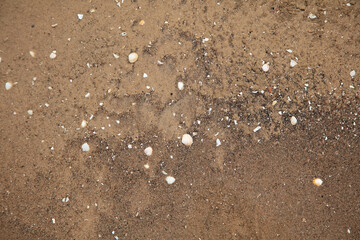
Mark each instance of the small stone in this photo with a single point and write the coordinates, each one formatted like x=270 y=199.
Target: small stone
x=293 y=63
x=170 y=179
x=352 y=73
x=53 y=220
x=80 y=16
x=146 y=166
x=32 y=53
x=187 y=140
x=142 y=22
x=8 y=85
x=133 y=57
x=293 y=120
x=145 y=75
x=218 y=142
x=265 y=67
x=85 y=147
x=289 y=50
x=317 y=181
x=274 y=103
x=53 y=54
x=180 y=86
x=30 y=112
x=87 y=95
x=148 y=151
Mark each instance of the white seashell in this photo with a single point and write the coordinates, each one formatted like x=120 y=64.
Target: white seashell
x=30 y=112
x=80 y=16
x=312 y=16
x=293 y=63
x=257 y=129
x=8 y=85
x=85 y=147
x=32 y=53
x=170 y=179
x=293 y=120
x=218 y=142
x=145 y=75
x=116 y=56
x=265 y=67
x=133 y=57
x=83 y=123
x=317 y=181
x=53 y=54
x=146 y=166
x=180 y=86
x=187 y=140
x=352 y=73
x=148 y=151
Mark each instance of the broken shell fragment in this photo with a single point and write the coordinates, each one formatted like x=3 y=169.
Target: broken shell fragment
x=133 y=57
x=148 y=151
x=293 y=120
x=8 y=85
x=265 y=67
x=85 y=147
x=180 y=86
x=53 y=54
x=187 y=140
x=170 y=179
x=317 y=181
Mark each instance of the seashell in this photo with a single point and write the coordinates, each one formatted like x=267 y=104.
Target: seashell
x=133 y=57
x=293 y=120
x=170 y=179
x=148 y=151
x=187 y=140
x=85 y=147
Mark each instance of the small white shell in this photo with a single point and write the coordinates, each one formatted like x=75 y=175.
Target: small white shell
x=80 y=16
x=293 y=120
x=265 y=67
x=218 y=142
x=148 y=151
x=170 y=179
x=312 y=16
x=293 y=63
x=317 y=181
x=133 y=57
x=30 y=112
x=352 y=73
x=32 y=53
x=83 y=123
x=187 y=140
x=8 y=85
x=146 y=166
x=53 y=54
x=257 y=129
x=85 y=147
x=180 y=86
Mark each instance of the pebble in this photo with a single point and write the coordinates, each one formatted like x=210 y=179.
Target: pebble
x=53 y=54
x=145 y=75
x=293 y=63
x=0 y=59
x=257 y=129
x=83 y=123
x=32 y=53
x=317 y=181
x=53 y=220
x=85 y=147
x=146 y=166
x=87 y=95
x=30 y=112
x=142 y=22
x=180 y=86
x=80 y=16
x=170 y=179
x=352 y=73
x=148 y=151
x=293 y=120
x=187 y=140
x=133 y=57
x=218 y=142
x=8 y=85
x=265 y=67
